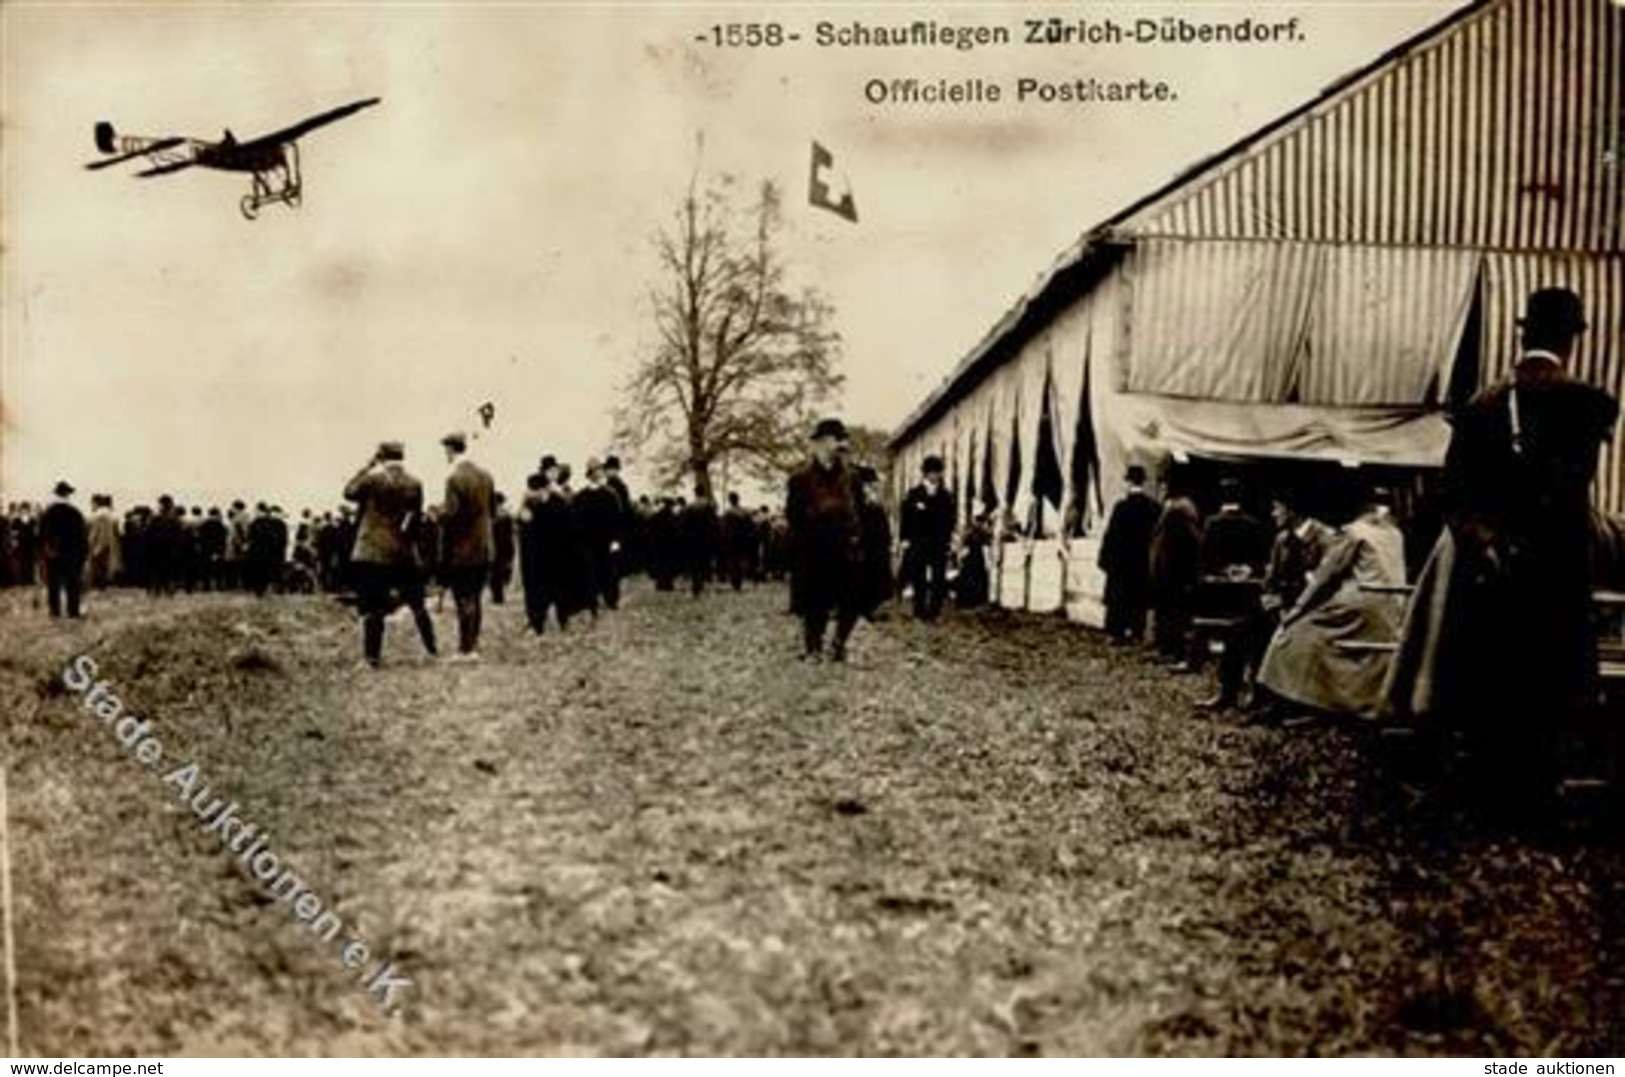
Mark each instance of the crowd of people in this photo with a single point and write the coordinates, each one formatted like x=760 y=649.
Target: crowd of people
x=1494 y=642
x=1298 y=608
x=566 y=547
x=167 y=547
x=1307 y=613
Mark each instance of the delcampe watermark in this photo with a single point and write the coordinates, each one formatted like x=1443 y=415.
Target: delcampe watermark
x=249 y=843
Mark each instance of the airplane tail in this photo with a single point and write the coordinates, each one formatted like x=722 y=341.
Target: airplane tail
x=104 y=137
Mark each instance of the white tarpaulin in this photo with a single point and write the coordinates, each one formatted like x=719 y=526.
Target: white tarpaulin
x=1405 y=437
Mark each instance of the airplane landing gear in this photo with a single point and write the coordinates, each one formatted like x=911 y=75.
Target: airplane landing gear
x=290 y=191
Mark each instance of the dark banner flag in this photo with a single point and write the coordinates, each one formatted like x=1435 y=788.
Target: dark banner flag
x=970 y=483
x=990 y=492
x=819 y=191
x=1048 y=483
x=1012 y=478
x=1086 y=458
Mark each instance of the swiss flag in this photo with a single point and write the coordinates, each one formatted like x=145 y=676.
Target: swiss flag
x=819 y=191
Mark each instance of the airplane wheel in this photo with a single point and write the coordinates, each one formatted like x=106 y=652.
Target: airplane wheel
x=295 y=196
x=250 y=206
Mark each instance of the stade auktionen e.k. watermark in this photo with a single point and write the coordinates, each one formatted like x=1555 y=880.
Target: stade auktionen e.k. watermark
x=249 y=843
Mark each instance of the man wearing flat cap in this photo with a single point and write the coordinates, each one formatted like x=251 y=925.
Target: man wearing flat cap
x=927 y=533
x=1517 y=500
x=385 y=560
x=826 y=543
x=64 y=543
x=467 y=539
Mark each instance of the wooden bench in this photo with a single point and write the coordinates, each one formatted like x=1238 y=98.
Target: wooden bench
x=1365 y=646
x=1404 y=589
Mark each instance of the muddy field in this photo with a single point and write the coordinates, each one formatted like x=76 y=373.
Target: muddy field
x=662 y=834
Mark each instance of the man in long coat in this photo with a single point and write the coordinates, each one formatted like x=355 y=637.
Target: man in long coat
x=700 y=529
x=1175 y=567
x=106 y=561
x=1518 y=658
x=1125 y=558
x=64 y=543
x=467 y=539
x=826 y=543
x=926 y=528
x=385 y=560
x=739 y=542
x=550 y=550
x=601 y=519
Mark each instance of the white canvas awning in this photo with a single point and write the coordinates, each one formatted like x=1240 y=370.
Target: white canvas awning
x=1150 y=425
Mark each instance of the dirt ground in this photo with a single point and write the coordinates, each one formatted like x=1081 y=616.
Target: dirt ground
x=661 y=834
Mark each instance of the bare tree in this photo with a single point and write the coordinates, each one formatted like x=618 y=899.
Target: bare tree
x=740 y=364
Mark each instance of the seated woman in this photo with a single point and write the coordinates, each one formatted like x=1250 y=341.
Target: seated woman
x=1304 y=663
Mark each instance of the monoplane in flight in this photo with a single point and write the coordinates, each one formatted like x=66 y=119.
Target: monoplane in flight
x=272 y=159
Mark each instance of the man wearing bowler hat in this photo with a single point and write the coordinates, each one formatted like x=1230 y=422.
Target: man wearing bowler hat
x=467 y=539
x=826 y=543
x=1517 y=500
x=1125 y=558
x=927 y=532
x=64 y=542
x=385 y=561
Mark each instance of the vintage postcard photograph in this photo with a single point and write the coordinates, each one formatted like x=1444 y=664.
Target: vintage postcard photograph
x=672 y=529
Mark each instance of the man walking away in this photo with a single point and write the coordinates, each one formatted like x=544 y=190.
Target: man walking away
x=104 y=542
x=384 y=562
x=601 y=517
x=549 y=549
x=467 y=539
x=212 y=535
x=165 y=538
x=700 y=528
x=1125 y=558
x=237 y=522
x=267 y=550
x=927 y=532
x=64 y=543
x=660 y=545
x=826 y=542
x=738 y=542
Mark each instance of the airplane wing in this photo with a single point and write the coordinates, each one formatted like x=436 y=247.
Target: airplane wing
x=164 y=170
x=156 y=147
x=304 y=127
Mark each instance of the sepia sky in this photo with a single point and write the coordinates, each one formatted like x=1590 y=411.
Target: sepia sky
x=483 y=234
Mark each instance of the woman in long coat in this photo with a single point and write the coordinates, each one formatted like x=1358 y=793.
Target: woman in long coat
x=1345 y=602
